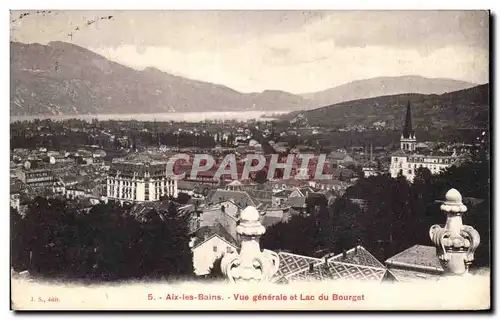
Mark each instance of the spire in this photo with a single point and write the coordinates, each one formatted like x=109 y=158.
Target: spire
x=407 y=129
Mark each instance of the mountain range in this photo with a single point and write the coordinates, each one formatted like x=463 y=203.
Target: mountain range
x=468 y=108
x=63 y=78
x=384 y=86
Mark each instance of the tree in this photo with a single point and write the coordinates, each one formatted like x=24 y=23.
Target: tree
x=389 y=215
x=107 y=243
x=20 y=256
x=117 y=143
x=183 y=198
x=316 y=202
x=347 y=223
x=423 y=175
x=299 y=236
x=261 y=176
x=215 y=271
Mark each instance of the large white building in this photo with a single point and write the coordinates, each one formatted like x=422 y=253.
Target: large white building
x=408 y=163
x=35 y=178
x=407 y=160
x=138 y=181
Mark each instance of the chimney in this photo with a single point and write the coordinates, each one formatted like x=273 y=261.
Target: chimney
x=371 y=153
x=344 y=254
x=311 y=267
x=356 y=250
x=326 y=259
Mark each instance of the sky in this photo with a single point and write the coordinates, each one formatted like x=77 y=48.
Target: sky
x=294 y=51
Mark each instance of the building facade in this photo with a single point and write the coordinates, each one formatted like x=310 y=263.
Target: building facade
x=407 y=160
x=15 y=200
x=407 y=164
x=36 y=177
x=138 y=181
x=208 y=245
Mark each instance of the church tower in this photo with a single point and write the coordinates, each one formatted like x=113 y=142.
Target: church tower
x=408 y=139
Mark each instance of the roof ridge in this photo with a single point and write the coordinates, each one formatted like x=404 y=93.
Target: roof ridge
x=299 y=255
x=356 y=265
x=371 y=255
x=360 y=247
x=400 y=253
x=215 y=234
x=338 y=255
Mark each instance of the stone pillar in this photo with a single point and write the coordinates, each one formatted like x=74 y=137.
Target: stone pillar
x=455 y=242
x=250 y=264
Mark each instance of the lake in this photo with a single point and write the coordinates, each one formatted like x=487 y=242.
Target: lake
x=172 y=116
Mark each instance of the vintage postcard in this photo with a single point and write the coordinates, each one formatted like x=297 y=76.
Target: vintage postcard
x=250 y=160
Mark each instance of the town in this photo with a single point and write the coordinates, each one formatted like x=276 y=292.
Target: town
x=94 y=161
x=87 y=165
x=316 y=159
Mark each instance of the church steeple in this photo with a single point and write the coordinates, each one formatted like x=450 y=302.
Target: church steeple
x=408 y=139
x=407 y=129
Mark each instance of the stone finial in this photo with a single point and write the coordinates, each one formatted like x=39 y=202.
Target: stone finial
x=250 y=223
x=453 y=202
x=250 y=264
x=455 y=242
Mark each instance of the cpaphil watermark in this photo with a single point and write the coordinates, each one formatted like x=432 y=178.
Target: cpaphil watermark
x=274 y=166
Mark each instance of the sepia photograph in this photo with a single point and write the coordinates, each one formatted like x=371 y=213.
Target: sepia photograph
x=250 y=160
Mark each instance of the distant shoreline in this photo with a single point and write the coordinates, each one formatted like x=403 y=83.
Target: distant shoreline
x=166 y=116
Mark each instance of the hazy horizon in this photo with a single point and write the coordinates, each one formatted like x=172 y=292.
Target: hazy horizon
x=253 y=51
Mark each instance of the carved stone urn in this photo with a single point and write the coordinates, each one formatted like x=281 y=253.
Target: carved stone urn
x=250 y=264
x=455 y=242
